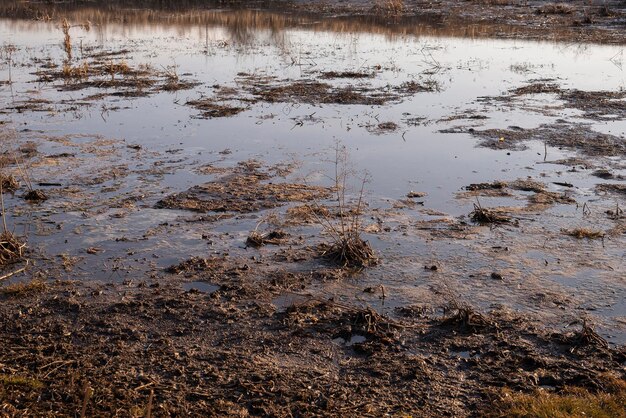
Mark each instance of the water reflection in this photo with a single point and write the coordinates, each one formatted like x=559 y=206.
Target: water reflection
x=242 y=24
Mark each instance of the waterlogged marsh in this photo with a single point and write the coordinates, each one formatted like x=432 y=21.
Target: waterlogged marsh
x=496 y=167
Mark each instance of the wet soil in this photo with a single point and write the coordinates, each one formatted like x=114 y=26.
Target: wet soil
x=120 y=349
x=177 y=277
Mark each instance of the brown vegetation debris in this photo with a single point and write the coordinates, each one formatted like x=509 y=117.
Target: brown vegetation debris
x=464 y=316
x=8 y=183
x=536 y=88
x=256 y=239
x=11 y=248
x=496 y=185
x=193 y=264
x=577 y=137
x=568 y=402
x=349 y=251
x=307 y=213
x=555 y=9
x=488 y=216
x=240 y=193
x=345 y=74
x=35 y=195
x=211 y=109
x=19 y=289
x=587 y=233
x=551 y=198
x=314 y=92
x=618 y=189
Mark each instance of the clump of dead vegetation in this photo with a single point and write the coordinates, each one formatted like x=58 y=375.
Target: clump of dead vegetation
x=388 y=7
x=11 y=248
x=257 y=239
x=555 y=9
x=462 y=315
x=584 y=233
x=8 y=183
x=488 y=216
x=348 y=248
x=209 y=108
x=567 y=402
x=20 y=289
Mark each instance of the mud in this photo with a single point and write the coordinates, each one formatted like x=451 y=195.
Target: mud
x=204 y=249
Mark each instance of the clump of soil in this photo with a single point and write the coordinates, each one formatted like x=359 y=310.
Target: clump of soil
x=241 y=193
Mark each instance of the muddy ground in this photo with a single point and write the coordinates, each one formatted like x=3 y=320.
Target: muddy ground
x=133 y=292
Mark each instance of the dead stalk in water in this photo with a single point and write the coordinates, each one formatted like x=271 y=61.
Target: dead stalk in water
x=67 y=41
x=347 y=248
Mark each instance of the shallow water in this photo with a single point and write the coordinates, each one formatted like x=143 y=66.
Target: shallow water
x=213 y=50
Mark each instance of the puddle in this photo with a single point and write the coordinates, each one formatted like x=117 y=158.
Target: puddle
x=200 y=287
x=139 y=112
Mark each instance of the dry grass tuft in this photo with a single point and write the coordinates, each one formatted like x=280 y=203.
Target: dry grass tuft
x=8 y=183
x=488 y=216
x=15 y=380
x=256 y=239
x=67 y=40
x=20 y=289
x=464 y=316
x=555 y=9
x=571 y=402
x=350 y=251
x=11 y=248
x=389 y=7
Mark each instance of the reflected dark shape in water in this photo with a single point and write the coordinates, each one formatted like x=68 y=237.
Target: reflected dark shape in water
x=242 y=23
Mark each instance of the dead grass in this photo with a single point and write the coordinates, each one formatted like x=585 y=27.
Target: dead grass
x=587 y=233
x=8 y=183
x=20 y=289
x=67 y=40
x=555 y=9
x=16 y=380
x=571 y=402
x=211 y=109
x=11 y=248
x=389 y=7
x=256 y=239
x=350 y=251
x=488 y=216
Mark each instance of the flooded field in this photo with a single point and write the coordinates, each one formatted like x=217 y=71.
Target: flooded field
x=408 y=206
